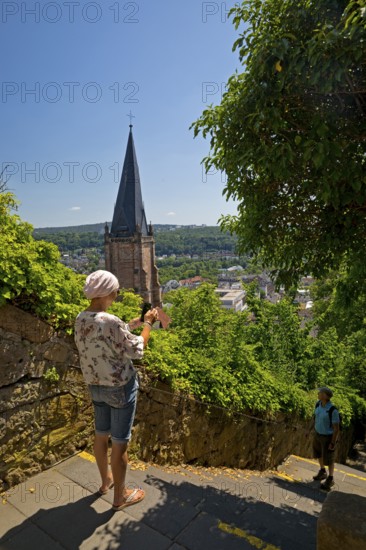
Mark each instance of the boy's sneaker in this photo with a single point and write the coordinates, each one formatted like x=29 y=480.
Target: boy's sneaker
x=328 y=484
x=322 y=474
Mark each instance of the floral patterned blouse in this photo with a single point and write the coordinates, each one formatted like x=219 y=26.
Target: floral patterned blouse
x=106 y=348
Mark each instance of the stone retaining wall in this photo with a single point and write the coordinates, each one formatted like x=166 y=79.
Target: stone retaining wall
x=43 y=421
x=173 y=428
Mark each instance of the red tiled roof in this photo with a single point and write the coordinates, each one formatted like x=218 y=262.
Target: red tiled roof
x=192 y=280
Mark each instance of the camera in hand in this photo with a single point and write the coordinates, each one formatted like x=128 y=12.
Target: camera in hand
x=145 y=308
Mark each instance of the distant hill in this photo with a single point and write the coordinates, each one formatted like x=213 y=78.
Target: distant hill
x=90 y=228
x=99 y=228
x=170 y=239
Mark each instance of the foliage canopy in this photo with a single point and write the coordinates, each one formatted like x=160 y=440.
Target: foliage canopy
x=290 y=134
x=32 y=277
x=266 y=364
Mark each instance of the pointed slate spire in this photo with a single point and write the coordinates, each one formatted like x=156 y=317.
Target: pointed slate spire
x=129 y=213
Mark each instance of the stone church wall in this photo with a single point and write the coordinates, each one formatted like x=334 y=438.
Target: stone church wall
x=43 y=420
x=132 y=260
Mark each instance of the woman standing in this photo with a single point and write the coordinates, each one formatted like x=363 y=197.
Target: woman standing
x=106 y=348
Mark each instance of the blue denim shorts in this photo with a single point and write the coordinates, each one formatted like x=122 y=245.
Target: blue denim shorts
x=114 y=409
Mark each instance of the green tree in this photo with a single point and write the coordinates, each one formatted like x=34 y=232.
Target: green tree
x=340 y=301
x=260 y=359
x=210 y=352
x=280 y=342
x=32 y=277
x=128 y=306
x=198 y=315
x=290 y=134
x=339 y=309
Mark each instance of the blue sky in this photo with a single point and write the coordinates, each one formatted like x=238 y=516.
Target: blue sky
x=89 y=64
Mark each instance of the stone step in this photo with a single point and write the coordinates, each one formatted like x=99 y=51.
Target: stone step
x=294 y=464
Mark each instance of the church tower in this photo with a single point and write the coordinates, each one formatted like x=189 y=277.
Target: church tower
x=130 y=245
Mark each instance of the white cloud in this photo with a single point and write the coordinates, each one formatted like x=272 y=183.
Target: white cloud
x=75 y=208
x=170 y=214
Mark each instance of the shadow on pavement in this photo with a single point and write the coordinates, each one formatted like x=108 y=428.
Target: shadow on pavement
x=357 y=456
x=183 y=516
x=304 y=489
x=70 y=524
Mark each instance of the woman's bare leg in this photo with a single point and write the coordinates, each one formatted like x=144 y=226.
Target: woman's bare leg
x=119 y=461
x=101 y=456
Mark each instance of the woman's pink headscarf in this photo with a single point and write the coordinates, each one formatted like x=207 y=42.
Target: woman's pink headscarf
x=100 y=283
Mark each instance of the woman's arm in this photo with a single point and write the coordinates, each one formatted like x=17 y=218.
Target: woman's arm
x=129 y=343
x=149 y=319
x=135 y=323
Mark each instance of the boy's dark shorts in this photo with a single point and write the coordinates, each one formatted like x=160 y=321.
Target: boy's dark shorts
x=320 y=448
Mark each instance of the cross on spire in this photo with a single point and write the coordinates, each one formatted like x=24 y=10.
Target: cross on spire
x=131 y=117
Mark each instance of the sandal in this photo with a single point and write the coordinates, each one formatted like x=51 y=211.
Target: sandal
x=130 y=499
x=101 y=492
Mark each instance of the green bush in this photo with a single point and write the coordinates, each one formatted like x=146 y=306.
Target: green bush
x=32 y=277
x=265 y=365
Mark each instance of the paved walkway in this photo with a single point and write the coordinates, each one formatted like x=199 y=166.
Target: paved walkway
x=186 y=508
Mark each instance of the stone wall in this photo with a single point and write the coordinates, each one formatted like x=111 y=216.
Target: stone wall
x=173 y=428
x=43 y=421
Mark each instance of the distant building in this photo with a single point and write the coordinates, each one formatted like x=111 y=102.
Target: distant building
x=302 y=296
x=307 y=281
x=265 y=285
x=192 y=282
x=228 y=276
x=235 y=268
x=236 y=286
x=130 y=244
x=231 y=299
